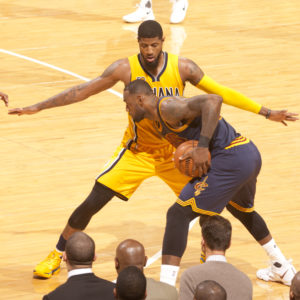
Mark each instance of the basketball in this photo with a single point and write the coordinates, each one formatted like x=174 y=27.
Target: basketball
x=185 y=166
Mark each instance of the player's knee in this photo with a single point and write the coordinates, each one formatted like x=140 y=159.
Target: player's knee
x=98 y=197
x=253 y=222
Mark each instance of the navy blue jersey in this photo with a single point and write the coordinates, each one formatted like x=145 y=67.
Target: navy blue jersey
x=223 y=136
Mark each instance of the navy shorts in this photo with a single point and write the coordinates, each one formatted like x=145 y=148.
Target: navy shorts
x=230 y=180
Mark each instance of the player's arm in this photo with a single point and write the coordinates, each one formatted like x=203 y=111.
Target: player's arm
x=4 y=97
x=191 y=72
x=208 y=107
x=115 y=72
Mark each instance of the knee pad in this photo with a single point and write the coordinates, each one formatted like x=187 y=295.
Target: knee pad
x=254 y=223
x=99 y=196
x=176 y=232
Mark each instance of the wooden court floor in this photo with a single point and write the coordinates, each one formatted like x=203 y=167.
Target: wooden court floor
x=48 y=161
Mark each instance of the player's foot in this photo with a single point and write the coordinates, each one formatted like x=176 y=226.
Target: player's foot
x=142 y=13
x=202 y=258
x=179 y=11
x=282 y=273
x=49 y=266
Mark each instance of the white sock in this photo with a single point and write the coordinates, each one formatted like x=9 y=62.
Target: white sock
x=168 y=274
x=274 y=252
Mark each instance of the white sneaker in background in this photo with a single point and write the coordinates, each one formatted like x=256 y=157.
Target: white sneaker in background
x=283 y=273
x=179 y=11
x=142 y=13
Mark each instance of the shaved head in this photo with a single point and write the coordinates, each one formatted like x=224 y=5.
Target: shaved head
x=130 y=253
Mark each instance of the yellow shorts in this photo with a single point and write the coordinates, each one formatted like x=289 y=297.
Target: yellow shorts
x=127 y=169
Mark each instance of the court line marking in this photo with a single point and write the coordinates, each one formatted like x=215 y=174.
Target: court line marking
x=55 y=68
x=158 y=254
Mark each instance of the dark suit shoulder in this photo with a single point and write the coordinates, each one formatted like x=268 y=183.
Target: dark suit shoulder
x=84 y=286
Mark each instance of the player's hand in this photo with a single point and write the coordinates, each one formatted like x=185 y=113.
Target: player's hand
x=4 y=97
x=282 y=116
x=201 y=160
x=29 y=110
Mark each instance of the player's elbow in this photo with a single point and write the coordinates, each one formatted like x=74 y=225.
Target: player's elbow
x=215 y=100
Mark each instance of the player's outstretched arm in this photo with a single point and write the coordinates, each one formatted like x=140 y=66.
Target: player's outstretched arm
x=191 y=72
x=115 y=72
x=278 y=115
x=4 y=97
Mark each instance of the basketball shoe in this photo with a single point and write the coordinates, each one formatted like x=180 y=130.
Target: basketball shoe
x=49 y=266
x=283 y=273
x=143 y=13
x=179 y=11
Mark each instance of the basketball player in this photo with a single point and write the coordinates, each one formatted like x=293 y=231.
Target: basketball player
x=228 y=180
x=142 y=148
x=4 y=97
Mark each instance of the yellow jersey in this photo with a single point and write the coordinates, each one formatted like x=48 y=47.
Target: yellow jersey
x=143 y=135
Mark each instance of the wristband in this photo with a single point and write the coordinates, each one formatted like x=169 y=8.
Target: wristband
x=203 y=141
x=268 y=114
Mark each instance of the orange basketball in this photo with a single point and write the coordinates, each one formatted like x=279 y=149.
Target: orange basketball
x=185 y=166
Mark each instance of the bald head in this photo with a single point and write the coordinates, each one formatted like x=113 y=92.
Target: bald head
x=295 y=287
x=210 y=290
x=130 y=253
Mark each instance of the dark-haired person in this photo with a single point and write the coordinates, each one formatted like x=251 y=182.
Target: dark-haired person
x=4 y=97
x=216 y=238
x=210 y=290
x=82 y=283
x=131 y=284
x=142 y=148
x=228 y=180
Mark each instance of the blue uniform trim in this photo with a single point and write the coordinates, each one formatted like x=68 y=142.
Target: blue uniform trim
x=162 y=70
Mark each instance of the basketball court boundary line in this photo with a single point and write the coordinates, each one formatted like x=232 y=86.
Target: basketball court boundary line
x=158 y=254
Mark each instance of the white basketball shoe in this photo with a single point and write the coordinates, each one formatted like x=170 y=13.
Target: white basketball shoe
x=283 y=273
x=179 y=11
x=142 y=13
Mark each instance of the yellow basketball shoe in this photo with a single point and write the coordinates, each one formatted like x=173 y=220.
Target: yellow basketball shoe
x=49 y=266
x=202 y=258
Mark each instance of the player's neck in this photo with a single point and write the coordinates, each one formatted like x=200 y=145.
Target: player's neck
x=155 y=70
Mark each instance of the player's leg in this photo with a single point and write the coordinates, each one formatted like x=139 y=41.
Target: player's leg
x=179 y=10
x=142 y=13
x=175 y=240
x=120 y=177
x=241 y=207
x=281 y=269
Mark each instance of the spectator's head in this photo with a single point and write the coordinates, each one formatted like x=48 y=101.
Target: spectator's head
x=130 y=253
x=131 y=284
x=295 y=287
x=216 y=234
x=210 y=290
x=80 y=251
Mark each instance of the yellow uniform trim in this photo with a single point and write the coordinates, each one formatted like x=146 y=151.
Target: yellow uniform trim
x=192 y=203
x=240 y=208
x=229 y=95
x=238 y=142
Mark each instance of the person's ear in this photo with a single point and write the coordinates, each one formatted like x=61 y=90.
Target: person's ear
x=145 y=262
x=95 y=257
x=140 y=100
x=64 y=255
x=117 y=264
x=115 y=293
